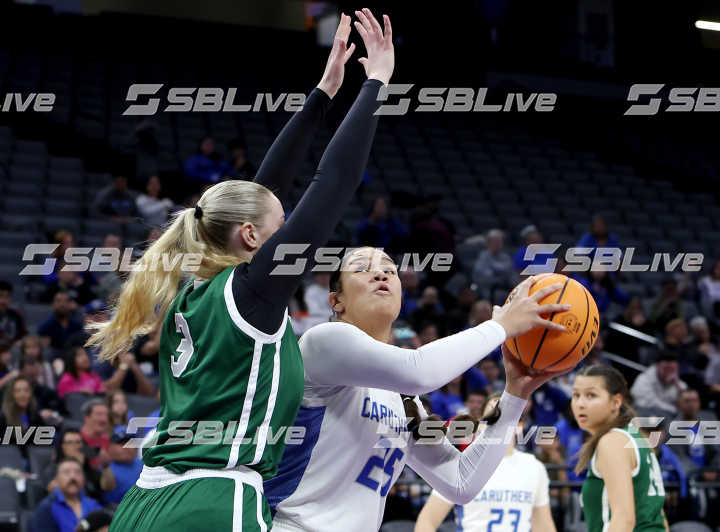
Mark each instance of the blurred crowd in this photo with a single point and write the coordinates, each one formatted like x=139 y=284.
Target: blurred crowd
x=666 y=345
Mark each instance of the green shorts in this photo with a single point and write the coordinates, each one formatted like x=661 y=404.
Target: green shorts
x=199 y=503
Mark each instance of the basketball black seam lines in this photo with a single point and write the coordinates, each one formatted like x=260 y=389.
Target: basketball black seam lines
x=587 y=320
x=537 y=351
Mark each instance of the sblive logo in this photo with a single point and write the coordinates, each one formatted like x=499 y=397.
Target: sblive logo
x=40 y=102
x=681 y=99
x=461 y=100
x=206 y=100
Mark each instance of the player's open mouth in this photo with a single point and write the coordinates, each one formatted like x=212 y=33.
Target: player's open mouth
x=582 y=418
x=383 y=289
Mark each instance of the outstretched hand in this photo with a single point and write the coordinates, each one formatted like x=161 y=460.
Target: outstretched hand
x=522 y=381
x=380 y=61
x=335 y=68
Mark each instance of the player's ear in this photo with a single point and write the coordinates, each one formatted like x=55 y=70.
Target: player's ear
x=335 y=304
x=248 y=236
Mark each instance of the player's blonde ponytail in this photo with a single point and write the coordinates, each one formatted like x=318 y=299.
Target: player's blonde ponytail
x=195 y=235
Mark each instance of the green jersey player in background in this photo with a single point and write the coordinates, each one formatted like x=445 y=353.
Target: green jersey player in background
x=623 y=490
x=228 y=355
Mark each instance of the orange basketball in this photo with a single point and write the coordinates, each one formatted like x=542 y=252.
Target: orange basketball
x=541 y=348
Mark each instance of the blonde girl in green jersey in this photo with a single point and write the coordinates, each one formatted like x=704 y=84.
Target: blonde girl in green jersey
x=624 y=489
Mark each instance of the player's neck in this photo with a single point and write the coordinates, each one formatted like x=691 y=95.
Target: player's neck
x=379 y=330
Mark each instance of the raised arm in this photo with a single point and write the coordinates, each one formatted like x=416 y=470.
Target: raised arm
x=284 y=158
x=264 y=296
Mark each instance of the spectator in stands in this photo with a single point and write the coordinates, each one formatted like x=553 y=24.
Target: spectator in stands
x=240 y=165
x=548 y=403
x=410 y=292
x=117 y=201
x=552 y=453
x=657 y=388
x=571 y=437
x=380 y=229
x=78 y=376
x=64 y=240
x=493 y=266
x=491 y=371
x=31 y=347
x=532 y=236
x=95 y=431
x=207 y=164
x=427 y=332
x=668 y=305
x=19 y=410
x=603 y=289
x=71 y=444
x=7 y=372
x=634 y=317
x=46 y=400
x=109 y=283
x=429 y=310
x=432 y=233
x=672 y=470
x=475 y=402
x=128 y=376
x=123 y=470
x=74 y=283
x=61 y=325
x=457 y=317
x=12 y=324
x=146 y=349
x=710 y=294
x=118 y=409
x=692 y=361
x=63 y=509
x=598 y=237
x=97 y=521
x=480 y=313
x=697 y=454
x=154 y=210
x=316 y=299
x=447 y=401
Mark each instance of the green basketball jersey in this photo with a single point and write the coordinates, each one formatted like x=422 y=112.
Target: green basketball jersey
x=228 y=389
x=648 y=489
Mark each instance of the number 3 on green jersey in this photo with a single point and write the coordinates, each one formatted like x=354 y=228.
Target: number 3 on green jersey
x=185 y=348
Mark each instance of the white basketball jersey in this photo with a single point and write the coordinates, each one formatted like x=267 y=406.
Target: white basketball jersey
x=339 y=477
x=519 y=484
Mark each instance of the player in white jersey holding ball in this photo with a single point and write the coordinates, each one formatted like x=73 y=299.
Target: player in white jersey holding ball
x=516 y=498
x=356 y=444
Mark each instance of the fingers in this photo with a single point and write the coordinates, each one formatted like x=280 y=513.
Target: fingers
x=349 y=53
x=364 y=22
x=551 y=325
x=524 y=287
x=555 y=307
x=361 y=30
x=373 y=22
x=544 y=292
x=388 y=28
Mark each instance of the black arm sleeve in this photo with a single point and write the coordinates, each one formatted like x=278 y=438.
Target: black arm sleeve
x=282 y=161
x=261 y=298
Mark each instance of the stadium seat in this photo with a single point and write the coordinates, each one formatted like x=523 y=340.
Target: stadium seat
x=9 y=502
x=690 y=526
x=74 y=402
x=39 y=457
x=11 y=457
x=398 y=526
x=142 y=405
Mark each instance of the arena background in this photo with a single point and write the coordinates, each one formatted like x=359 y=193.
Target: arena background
x=447 y=178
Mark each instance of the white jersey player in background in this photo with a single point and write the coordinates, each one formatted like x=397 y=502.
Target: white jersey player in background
x=516 y=498
x=339 y=477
